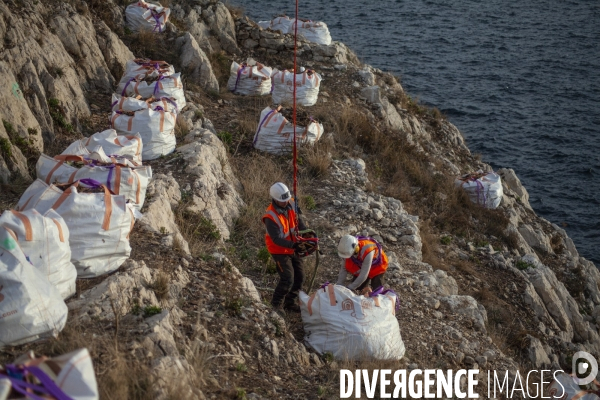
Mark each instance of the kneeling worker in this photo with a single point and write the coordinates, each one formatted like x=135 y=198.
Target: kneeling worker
x=281 y=242
x=365 y=260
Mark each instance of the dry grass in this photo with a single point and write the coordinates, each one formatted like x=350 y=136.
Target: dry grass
x=181 y=129
x=11 y=192
x=161 y=285
x=430 y=246
x=146 y=44
x=316 y=159
x=260 y=171
x=221 y=65
x=200 y=233
x=236 y=12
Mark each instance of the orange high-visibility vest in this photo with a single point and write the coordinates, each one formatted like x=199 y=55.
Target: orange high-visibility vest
x=287 y=227
x=366 y=247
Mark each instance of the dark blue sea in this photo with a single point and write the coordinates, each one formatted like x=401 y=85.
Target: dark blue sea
x=520 y=79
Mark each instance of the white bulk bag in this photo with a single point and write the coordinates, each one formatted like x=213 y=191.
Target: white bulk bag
x=313 y=31
x=99 y=223
x=564 y=387
x=276 y=135
x=164 y=86
x=157 y=129
x=142 y=67
x=44 y=240
x=484 y=189
x=129 y=146
x=282 y=24
x=307 y=87
x=131 y=104
x=30 y=306
x=142 y=16
x=72 y=373
x=249 y=80
x=129 y=181
x=352 y=327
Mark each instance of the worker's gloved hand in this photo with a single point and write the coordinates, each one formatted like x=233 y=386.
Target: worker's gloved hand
x=296 y=247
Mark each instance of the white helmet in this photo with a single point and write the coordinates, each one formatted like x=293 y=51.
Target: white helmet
x=280 y=192
x=347 y=246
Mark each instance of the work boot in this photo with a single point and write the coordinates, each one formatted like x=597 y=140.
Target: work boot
x=293 y=307
x=279 y=310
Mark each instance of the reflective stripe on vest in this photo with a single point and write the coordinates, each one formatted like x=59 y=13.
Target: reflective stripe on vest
x=354 y=264
x=290 y=218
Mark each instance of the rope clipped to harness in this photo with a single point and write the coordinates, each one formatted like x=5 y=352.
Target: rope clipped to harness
x=309 y=243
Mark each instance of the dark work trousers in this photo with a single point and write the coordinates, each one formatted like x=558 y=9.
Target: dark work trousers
x=377 y=281
x=291 y=277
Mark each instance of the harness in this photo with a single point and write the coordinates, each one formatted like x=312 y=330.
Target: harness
x=377 y=261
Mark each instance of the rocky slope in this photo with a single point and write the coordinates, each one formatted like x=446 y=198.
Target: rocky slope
x=502 y=289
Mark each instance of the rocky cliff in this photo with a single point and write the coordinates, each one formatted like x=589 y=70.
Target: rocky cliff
x=188 y=316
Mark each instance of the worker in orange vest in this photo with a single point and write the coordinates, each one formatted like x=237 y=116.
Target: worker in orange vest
x=281 y=240
x=364 y=258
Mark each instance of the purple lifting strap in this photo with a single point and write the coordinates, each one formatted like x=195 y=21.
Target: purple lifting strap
x=156 y=17
x=127 y=84
x=47 y=387
x=481 y=192
x=323 y=286
x=376 y=262
x=110 y=171
x=382 y=291
x=260 y=126
x=160 y=78
x=91 y=183
x=239 y=73
x=172 y=103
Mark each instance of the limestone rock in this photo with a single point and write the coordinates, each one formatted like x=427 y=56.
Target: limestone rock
x=215 y=190
x=533 y=300
x=250 y=290
x=510 y=179
x=367 y=76
x=195 y=62
x=219 y=20
x=559 y=303
x=184 y=387
x=536 y=353
x=121 y=290
x=199 y=30
x=535 y=238
x=372 y=94
x=114 y=51
x=163 y=193
x=467 y=306
x=446 y=285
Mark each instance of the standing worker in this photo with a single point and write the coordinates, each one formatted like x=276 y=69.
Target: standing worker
x=365 y=259
x=282 y=243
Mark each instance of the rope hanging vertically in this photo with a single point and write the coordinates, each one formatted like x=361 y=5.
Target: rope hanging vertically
x=295 y=150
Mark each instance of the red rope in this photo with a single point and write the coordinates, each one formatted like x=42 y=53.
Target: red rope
x=295 y=150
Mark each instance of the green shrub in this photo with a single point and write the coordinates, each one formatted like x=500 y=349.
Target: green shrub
x=234 y=305
x=151 y=310
x=5 y=148
x=263 y=255
x=446 y=240
x=309 y=203
x=240 y=367
x=523 y=265
x=226 y=138
x=57 y=114
x=240 y=394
